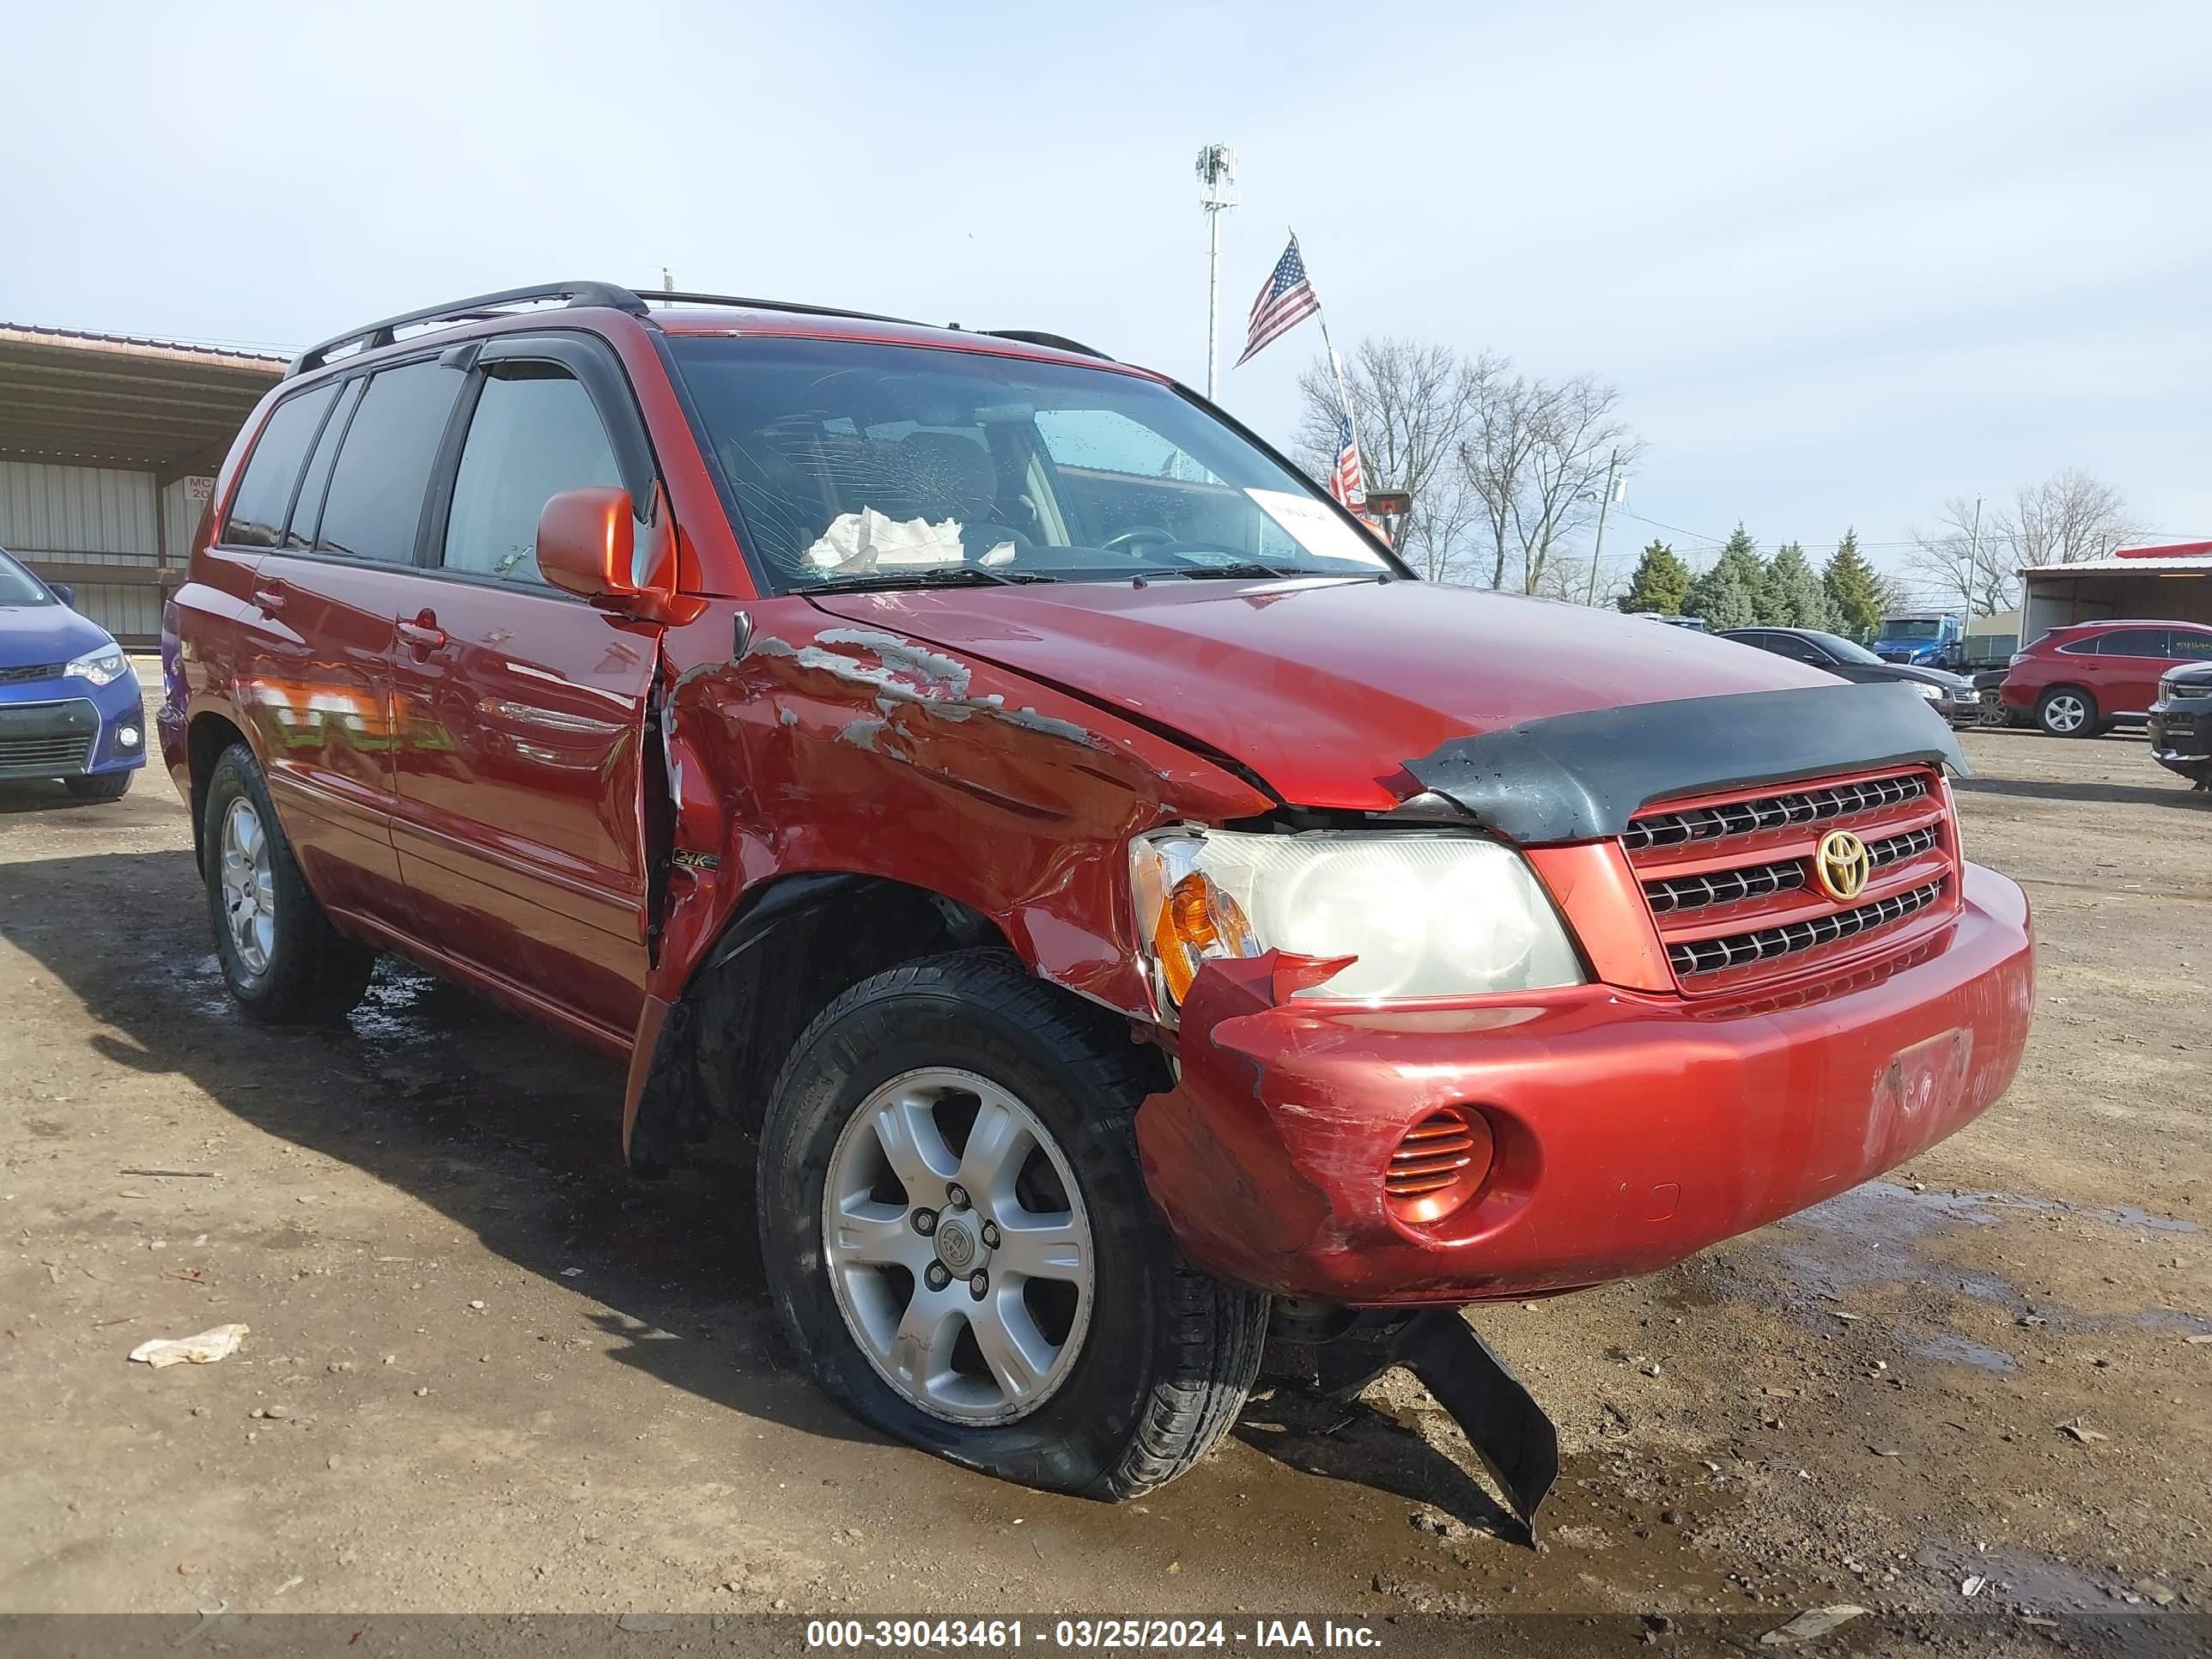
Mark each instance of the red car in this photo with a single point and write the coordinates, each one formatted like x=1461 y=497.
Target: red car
x=2077 y=681
x=1144 y=927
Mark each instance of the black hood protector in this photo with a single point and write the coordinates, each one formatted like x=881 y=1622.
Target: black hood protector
x=1582 y=777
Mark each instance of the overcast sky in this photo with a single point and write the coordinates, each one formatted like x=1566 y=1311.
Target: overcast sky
x=1841 y=266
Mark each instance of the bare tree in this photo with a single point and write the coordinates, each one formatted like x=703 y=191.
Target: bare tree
x=2066 y=518
x=1965 y=561
x=1412 y=400
x=1494 y=461
x=1974 y=553
x=1567 y=577
x=1536 y=459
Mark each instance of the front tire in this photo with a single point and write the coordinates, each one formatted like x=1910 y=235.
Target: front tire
x=961 y=1243
x=99 y=786
x=2067 y=711
x=281 y=959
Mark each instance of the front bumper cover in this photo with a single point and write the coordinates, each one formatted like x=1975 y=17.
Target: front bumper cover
x=2181 y=737
x=1632 y=1130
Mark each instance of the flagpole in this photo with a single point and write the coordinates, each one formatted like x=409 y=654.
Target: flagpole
x=1335 y=363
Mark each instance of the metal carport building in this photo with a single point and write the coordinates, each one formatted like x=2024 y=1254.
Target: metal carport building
x=108 y=447
x=2149 y=584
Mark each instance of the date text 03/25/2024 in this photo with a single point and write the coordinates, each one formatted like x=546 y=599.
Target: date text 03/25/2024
x=1088 y=1634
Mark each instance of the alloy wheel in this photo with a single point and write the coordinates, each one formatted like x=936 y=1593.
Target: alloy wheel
x=958 y=1246
x=2065 y=713
x=249 y=885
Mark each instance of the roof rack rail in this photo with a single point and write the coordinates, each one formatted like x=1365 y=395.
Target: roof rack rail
x=373 y=335
x=689 y=297
x=1057 y=342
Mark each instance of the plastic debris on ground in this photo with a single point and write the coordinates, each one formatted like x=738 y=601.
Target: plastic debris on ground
x=204 y=1349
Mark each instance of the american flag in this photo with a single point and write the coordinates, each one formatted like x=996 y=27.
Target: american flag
x=1345 y=481
x=1285 y=300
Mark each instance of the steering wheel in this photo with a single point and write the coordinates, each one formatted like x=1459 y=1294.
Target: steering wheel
x=1129 y=540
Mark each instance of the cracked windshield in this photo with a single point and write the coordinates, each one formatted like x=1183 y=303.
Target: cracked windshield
x=863 y=465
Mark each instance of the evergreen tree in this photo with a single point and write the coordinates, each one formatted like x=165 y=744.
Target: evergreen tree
x=1855 y=591
x=1662 y=581
x=1730 y=594
x=1793 y=596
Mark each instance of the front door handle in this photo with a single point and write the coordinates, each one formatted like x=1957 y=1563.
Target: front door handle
x=269 y=597
x=424 y=633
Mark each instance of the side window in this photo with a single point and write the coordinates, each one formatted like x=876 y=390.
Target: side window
x=2081 y=647
x=258 y=504
x=375 y=499
x=2192 y=648
x=308 y=510
x=2134 y=642
x=535 y=434
x=1798 y=650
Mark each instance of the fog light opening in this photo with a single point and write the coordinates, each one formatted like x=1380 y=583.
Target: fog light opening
x=126 y=737
x=1440 y=1164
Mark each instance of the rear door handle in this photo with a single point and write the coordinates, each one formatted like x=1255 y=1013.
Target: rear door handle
x=269 y=597
x=424 y=633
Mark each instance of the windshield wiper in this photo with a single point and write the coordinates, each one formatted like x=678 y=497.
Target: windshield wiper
x=1241 y=570
x=952 y=576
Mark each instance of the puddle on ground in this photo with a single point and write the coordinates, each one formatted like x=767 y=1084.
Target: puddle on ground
x=196 y=981
x=1891 y=1210
x=393 y=1012
x=1863 y=1236
x=1871 y=1234
x=1949 y=1347
x=2014 y=1579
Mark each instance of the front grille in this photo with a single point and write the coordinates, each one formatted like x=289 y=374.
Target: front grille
x=1900 y=848
x=1722 y=887
x=28 y=754
x=1672 y=894
x=1795 y=810
x=25 y=675
x=1710 y=956
x=1733 y=889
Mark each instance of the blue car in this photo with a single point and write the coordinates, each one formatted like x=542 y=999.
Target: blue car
x=69 y=702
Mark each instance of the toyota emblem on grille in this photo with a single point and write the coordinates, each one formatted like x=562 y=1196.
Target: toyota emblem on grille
x=1841 y=866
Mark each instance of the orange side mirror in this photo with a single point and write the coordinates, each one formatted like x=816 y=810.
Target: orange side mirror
x=588 y=545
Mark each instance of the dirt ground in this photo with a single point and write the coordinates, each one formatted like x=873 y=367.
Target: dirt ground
x=487 y=1373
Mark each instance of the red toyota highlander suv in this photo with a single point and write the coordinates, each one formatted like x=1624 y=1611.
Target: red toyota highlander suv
x=1145 y=929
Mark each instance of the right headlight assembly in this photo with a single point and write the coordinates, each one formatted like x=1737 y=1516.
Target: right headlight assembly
x=1425 y=915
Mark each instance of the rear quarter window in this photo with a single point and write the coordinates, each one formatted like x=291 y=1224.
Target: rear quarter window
x=264 y=496
x=2192 y=648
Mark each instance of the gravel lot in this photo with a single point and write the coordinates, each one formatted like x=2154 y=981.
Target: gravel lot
x=485 y=1373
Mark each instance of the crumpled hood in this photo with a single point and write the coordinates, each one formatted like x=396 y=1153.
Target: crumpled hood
x=1323 y=688
x=32 y=634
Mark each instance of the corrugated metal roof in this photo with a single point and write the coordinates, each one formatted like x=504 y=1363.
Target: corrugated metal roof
x=218 y=350
x=2169 y=551
x=117 y=400
x=2135 y=566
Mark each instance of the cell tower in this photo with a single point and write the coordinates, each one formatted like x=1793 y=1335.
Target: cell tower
x=1217 y=193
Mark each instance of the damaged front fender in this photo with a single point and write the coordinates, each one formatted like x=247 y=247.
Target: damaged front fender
x=797 y=744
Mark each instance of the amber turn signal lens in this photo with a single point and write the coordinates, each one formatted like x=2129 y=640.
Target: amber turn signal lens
x=1440 y=1164
x=1199 y=921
